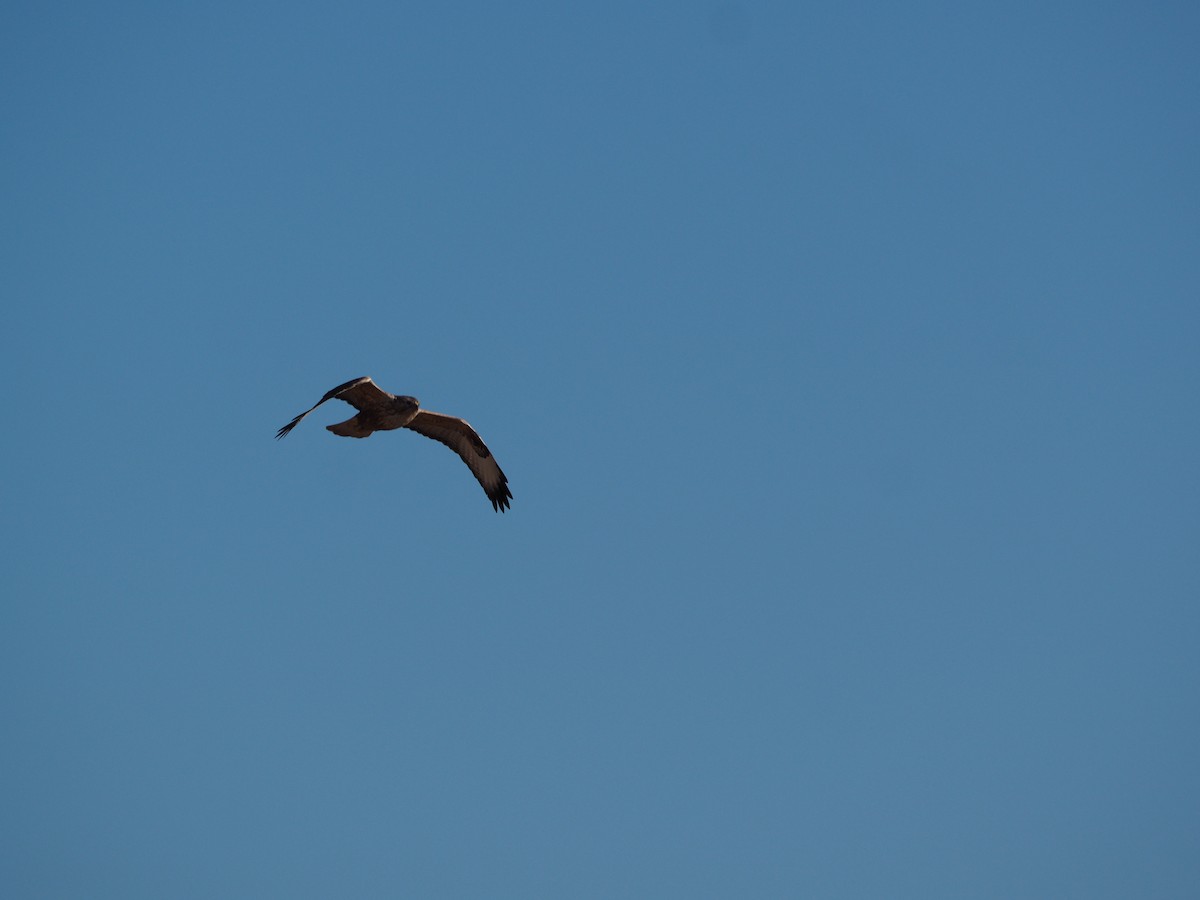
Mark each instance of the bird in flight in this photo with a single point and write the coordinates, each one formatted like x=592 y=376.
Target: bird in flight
x=380 y=411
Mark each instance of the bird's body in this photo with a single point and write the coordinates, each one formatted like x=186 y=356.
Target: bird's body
x=380 y=411
x=387 y=415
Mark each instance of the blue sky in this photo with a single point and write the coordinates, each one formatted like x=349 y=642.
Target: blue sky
x=843 y=362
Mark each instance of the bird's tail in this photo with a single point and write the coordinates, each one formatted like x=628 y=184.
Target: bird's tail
x=351 y=428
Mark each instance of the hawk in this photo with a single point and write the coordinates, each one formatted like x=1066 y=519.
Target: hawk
x=380 y=411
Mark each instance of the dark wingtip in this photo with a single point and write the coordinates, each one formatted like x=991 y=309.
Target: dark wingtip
x=500 y=499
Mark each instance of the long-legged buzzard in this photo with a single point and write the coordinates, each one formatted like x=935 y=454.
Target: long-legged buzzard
x=380 y=411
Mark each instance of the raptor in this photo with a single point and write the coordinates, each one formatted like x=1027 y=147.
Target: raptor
x=380 y=411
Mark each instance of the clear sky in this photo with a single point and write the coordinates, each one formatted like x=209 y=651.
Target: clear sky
x=843 y=360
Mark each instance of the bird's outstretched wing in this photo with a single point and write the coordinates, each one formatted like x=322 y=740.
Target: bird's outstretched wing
x=462 y=439
x=361 y=393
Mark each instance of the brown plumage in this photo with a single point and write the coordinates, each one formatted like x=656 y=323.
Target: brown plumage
x=380 y=411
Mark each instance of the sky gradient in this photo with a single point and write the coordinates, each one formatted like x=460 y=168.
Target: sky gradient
x=843 y=363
